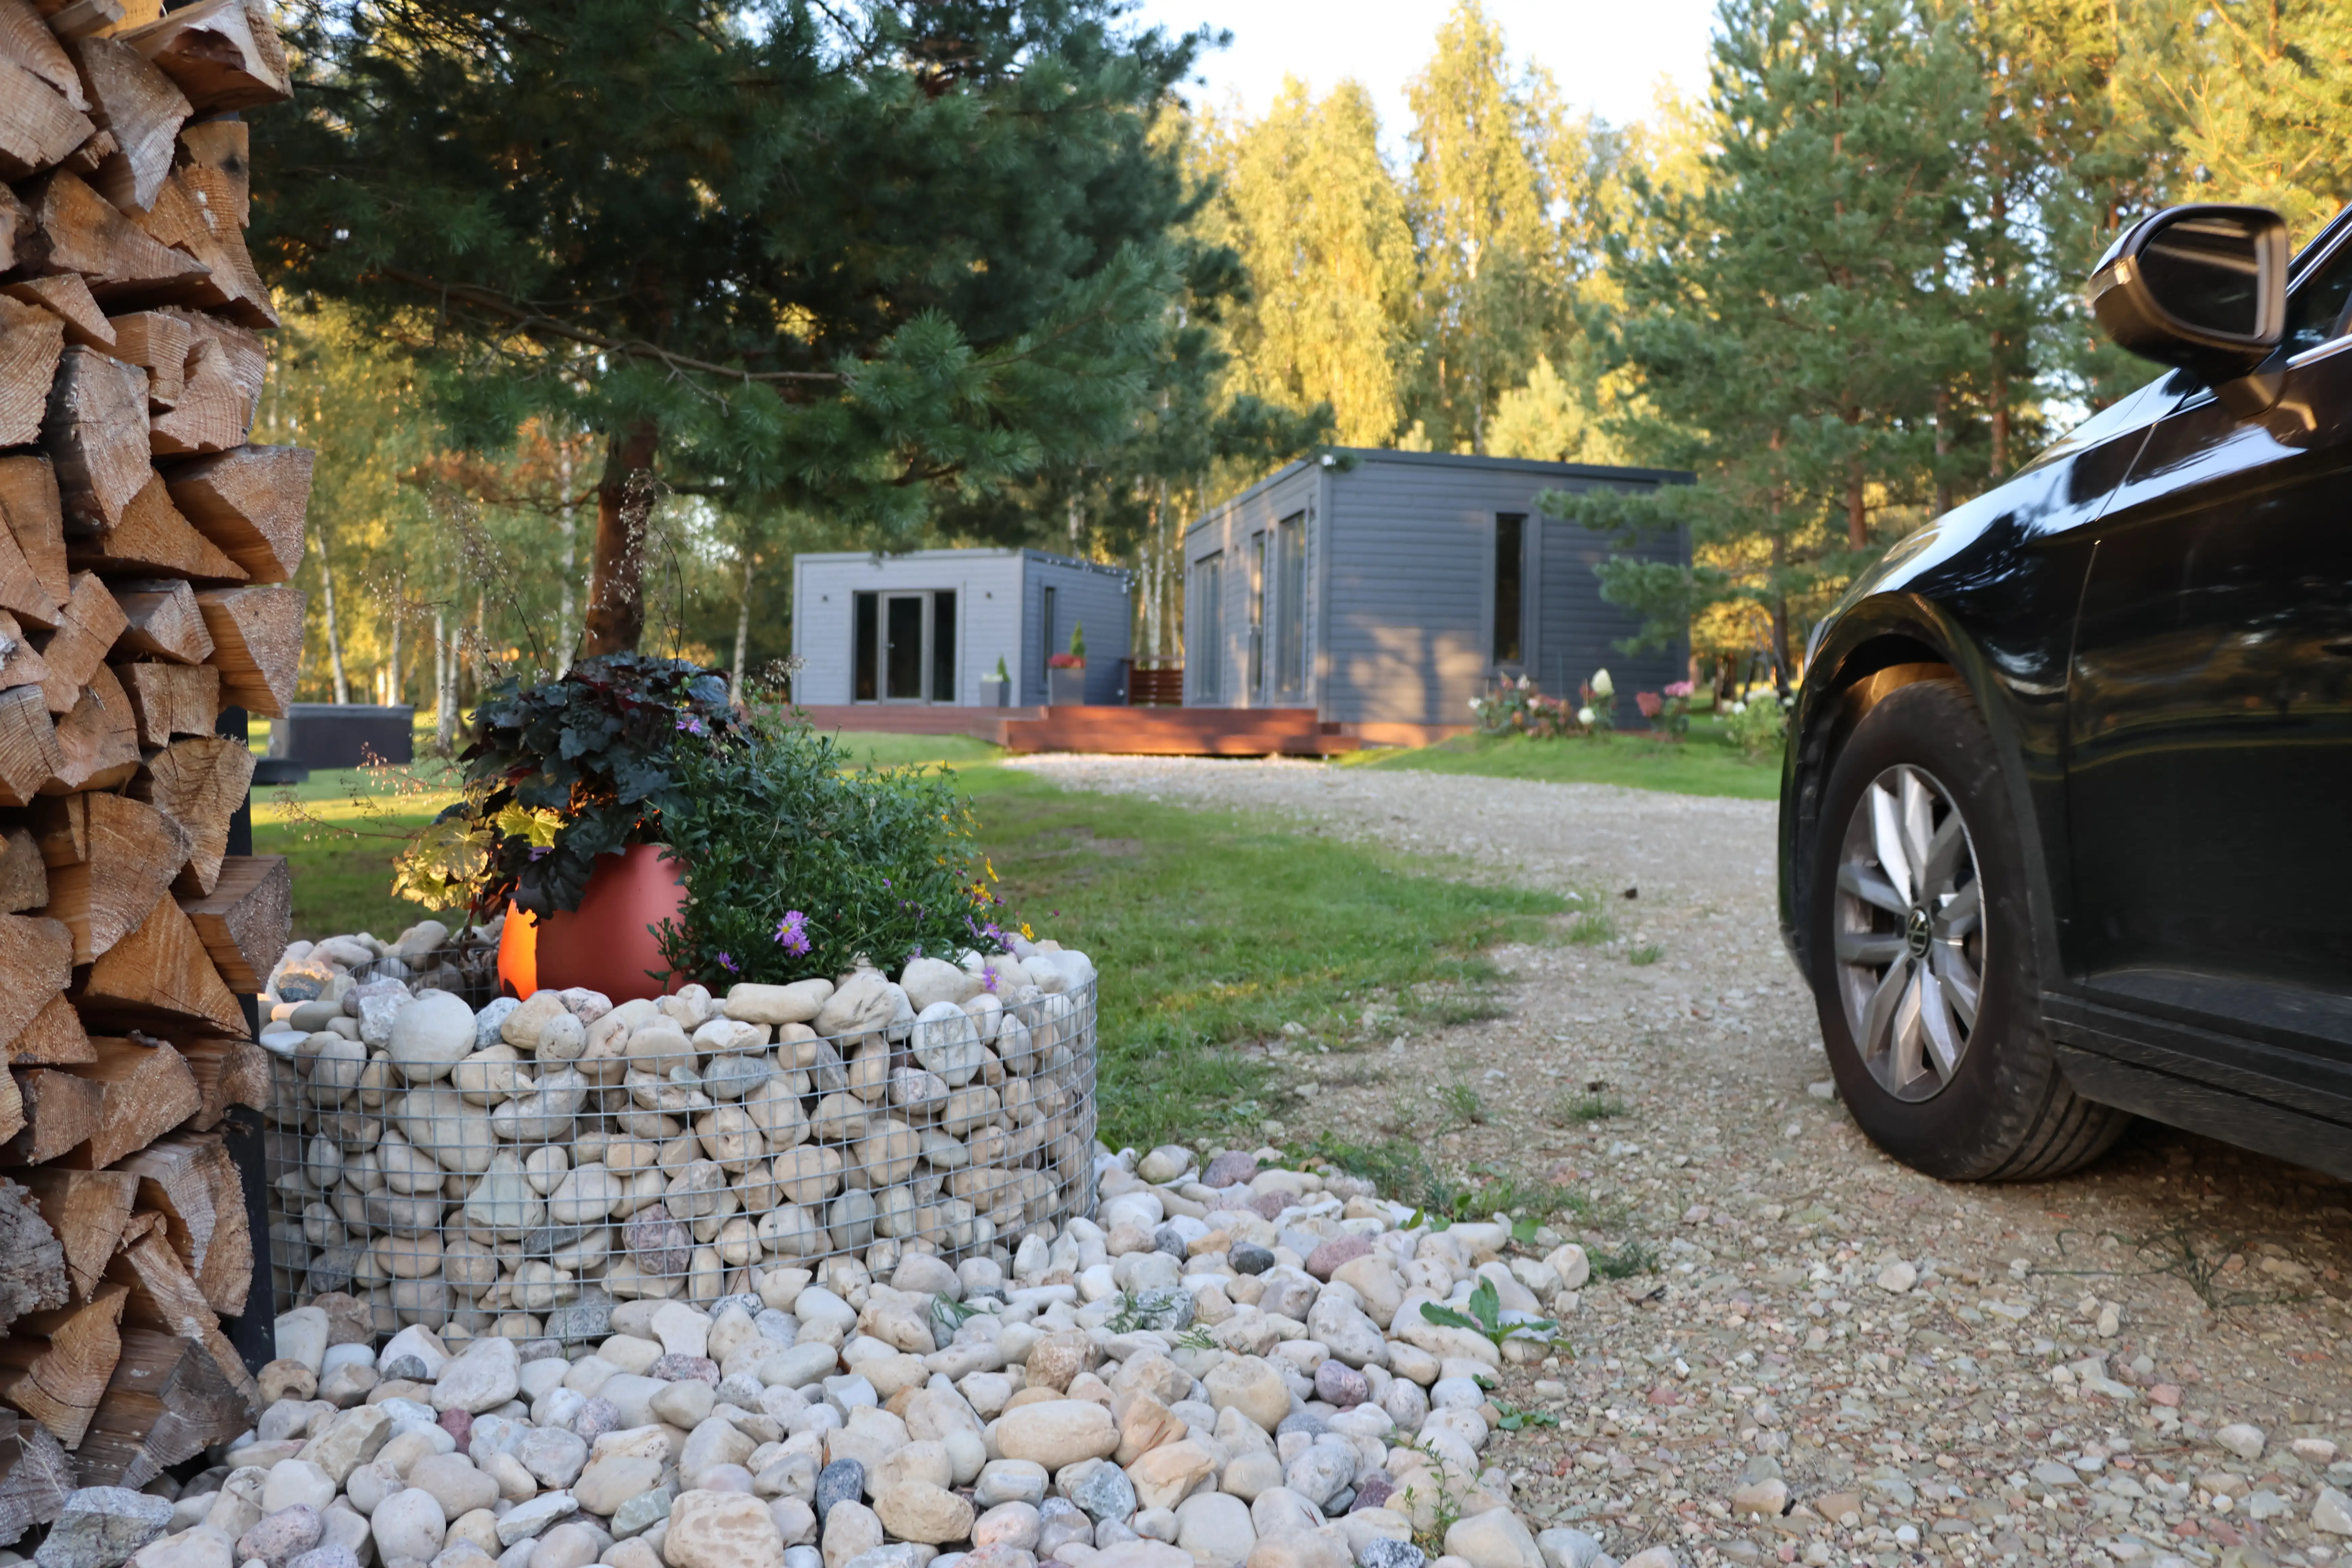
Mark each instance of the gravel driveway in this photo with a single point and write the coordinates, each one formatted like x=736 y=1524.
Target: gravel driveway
x=2143 y=1364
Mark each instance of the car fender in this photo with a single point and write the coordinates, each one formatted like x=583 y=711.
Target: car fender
x=1873 y=647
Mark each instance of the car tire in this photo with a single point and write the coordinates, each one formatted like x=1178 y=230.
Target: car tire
x=1959 y=1078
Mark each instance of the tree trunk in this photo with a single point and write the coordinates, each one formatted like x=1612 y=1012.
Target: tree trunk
x=444 y=692
x=616 y=603
x=742 y=626
x=398 y=688
x=327 y=597
x=566 y=639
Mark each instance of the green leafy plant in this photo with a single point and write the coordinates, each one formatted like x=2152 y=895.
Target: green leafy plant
x=561 y=772
x=1759 y=727
x=1462 y=1103
x=1446 y=1508
x=1197 y=1338
x=1594 y=928
x=1515 y=1419
x=1078 y=641
x=1002 y=673
x=1590 y=1107
x=794 y=867
x=1635 y=1257
x=1649 y=952
x=1486 y=1317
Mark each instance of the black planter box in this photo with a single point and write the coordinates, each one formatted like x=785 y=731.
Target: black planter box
x=341 y=736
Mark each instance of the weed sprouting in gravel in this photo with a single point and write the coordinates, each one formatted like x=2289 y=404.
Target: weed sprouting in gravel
x=1462 y=1104
x=1636 y=1256
x=1593 y=1105
x=1594 y=928
x=1402 y=1171
x=1647 y=953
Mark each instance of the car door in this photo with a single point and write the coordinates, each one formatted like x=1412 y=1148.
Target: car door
x=2209 y=757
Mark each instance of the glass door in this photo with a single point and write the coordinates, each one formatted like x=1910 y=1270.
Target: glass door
x=904 y=663
x=906 y=647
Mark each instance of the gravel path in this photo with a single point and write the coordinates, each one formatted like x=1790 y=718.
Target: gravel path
x=2063 y=1371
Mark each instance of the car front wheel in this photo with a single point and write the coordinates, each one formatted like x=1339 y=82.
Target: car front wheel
x=1924 y=968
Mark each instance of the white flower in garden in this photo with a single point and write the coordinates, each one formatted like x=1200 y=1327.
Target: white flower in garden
x=1601 y=685
x=1584 y=715
x=1740 y=707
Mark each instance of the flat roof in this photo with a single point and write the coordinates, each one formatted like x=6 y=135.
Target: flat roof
x=1366 y=456
x=1000 y=553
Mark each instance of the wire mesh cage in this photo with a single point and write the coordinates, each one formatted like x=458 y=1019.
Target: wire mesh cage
x=468 y=970
x=446 y=1174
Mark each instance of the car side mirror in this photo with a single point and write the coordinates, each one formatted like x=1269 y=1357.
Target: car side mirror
x=2202 y=287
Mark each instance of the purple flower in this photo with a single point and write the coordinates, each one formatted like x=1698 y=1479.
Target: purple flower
x=690 y=724
x=792 y=932
x=539 y=850
x=727 y=962
x=988 y=979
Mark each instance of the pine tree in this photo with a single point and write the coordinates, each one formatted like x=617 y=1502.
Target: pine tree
x=1791 y=318
x=850 y=258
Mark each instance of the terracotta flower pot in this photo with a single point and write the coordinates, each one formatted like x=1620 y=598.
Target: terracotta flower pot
x=606 y=944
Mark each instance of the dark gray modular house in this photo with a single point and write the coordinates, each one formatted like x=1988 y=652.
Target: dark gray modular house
x=1387 y=589
x=929 y=625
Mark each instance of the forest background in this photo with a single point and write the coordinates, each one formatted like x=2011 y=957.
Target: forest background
x=1842 y=285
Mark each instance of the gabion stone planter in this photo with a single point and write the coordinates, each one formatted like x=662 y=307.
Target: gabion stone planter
x=516 y=1171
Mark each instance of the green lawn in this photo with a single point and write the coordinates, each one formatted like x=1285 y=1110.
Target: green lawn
x=888 y=751
x=340 y=830
x=1213 y=927
x=1705 y=763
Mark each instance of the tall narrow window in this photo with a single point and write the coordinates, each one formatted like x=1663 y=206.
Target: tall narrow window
x=902 y=649
x=864 y=648
x=1047 y=647
x=1204 y=628
x=943 y=646
x=1290 y=607
x=1510 y=555
x=1257 y=562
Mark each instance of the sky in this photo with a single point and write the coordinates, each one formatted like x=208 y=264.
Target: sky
x=1607 y=54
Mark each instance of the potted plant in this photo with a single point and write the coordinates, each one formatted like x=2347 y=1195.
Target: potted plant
x=1066 y=673
x=996 y=690
x=570 y=788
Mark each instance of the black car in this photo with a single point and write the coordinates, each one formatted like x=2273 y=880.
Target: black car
x=2066 y=819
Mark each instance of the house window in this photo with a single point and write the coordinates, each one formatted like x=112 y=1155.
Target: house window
x=943 y=648
x=1047 y=648
x=903 y=648
x=1510 y=558
x=866 y=639
x=1257 y=563
x=1204 y=607
x=1290 y=606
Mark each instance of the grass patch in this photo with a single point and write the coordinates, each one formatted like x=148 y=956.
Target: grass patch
x=1217 y=927
x=1649 y=952
x=1576 y=1109
x=1705 y=763
x=339 y=829
x=875 y=748
x=1636 y=1257
x=1463 y=1104
x=1593 y=928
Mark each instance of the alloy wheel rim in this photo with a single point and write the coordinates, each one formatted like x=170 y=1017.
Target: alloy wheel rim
x=1909 y=933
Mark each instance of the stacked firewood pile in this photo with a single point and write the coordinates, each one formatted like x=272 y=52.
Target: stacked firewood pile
x=143 y=590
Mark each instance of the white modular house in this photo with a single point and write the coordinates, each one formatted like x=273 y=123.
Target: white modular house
x=929 y=625
x=1387 y=589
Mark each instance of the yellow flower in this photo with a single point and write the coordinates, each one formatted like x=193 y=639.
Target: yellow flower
x=1027 y=932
